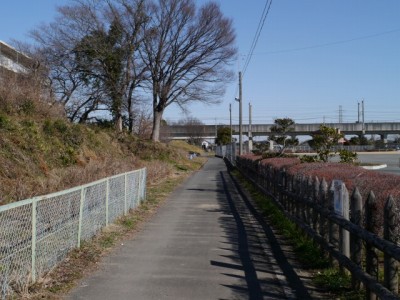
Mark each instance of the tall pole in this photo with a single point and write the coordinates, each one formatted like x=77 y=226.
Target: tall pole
x=216 y=129
x=362 y=107
x=230 y=119
x=250 y=131
x=240 y=115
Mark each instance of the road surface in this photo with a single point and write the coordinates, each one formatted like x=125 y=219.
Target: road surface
x=204 y=243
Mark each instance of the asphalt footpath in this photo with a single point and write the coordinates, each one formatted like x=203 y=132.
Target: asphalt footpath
x=203 y=243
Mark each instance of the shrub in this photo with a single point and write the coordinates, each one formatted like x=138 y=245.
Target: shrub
x=309 y=158
x=347 y=156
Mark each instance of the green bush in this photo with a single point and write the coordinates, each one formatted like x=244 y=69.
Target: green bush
x=309 y=158
x=48 y=127
x=4 y=122
x=28 y=107
x=60 y=126
x=347 y=156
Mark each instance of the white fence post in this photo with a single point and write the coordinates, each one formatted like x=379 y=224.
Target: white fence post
x=139 y=187
x=126 y=194
x=107 y=198
x=81 y=203
x=33 y=245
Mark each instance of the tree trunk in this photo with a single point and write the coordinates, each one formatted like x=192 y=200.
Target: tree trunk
x=157 y=118
x=118 y=123
x=131 y=122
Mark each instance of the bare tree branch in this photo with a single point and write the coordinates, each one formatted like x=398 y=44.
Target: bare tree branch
x=187 y=51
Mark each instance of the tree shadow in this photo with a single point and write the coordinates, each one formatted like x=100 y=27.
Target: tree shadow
x=255 y=272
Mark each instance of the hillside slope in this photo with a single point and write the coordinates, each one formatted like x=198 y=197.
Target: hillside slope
x=39 y=156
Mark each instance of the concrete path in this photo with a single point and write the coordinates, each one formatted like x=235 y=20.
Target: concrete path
x=204 y=243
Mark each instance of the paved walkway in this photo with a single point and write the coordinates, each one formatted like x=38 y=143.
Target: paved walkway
x=202 y=244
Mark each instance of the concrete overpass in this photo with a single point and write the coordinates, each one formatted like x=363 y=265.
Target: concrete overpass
x=382 y=129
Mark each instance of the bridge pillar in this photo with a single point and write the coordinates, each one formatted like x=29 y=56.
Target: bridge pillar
x=250 y=142
x=384 y=138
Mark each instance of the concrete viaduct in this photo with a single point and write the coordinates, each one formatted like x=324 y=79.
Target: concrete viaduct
x=209 y=131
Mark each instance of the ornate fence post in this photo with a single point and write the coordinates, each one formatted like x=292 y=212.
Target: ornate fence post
x=296 y=198
x=269 y=178
x=344 y=235
x=275 y=182
x=323 y=200
x=282 y=192
x=333 y=228
x=371 y=225
x=288 y=200
x=264 y=178
x=309 y=192
x=315 y=201
x=302 y=196
x=391 y=279
x=355 y=241
x=278 y=183
x=291 y=182
x=259 y=174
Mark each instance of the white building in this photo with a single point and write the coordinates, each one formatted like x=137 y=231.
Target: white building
x=13 y=60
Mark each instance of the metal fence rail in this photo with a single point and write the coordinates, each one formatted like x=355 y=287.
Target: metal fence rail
x=227 y=151
x=36 y=234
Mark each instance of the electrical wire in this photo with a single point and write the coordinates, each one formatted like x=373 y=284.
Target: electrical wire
x=331 y=43
x=257 y=34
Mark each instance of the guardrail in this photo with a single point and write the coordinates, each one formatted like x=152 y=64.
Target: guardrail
x=37 y=234
x=227 y=151
x=353 y=237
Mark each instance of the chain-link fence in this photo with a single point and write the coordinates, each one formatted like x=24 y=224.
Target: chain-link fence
x=37 y=234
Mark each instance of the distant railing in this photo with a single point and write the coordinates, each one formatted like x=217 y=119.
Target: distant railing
x=354 y=148
x=227 y=151
x=346 y=226
x=37 y=234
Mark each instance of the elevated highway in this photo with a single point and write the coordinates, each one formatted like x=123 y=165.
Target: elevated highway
x=209 y=131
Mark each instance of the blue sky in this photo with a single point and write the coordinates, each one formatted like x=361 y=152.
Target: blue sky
x=312 y=57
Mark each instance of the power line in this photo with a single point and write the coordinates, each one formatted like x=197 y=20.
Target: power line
x=253 y=43
x=330 y=44
x=257 y=35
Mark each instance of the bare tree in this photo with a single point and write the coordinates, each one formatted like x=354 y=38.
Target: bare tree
x=55 y=44
x=142 y=124
x=187 y=51
x=91 y=50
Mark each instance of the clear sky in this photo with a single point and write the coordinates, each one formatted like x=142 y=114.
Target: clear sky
x=312 y=57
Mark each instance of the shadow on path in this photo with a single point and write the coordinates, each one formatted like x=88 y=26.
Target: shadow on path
x=257 y=262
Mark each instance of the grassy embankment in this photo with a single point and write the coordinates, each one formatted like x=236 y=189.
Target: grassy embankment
x=40 y=156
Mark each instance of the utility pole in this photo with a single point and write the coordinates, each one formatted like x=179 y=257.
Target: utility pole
x=250 y=131
x=216 y=129
x=340 y=114
x=230 y=119
x=363 y=121
x=240 y=115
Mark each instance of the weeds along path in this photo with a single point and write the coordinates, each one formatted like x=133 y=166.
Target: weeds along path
x=206 y=242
